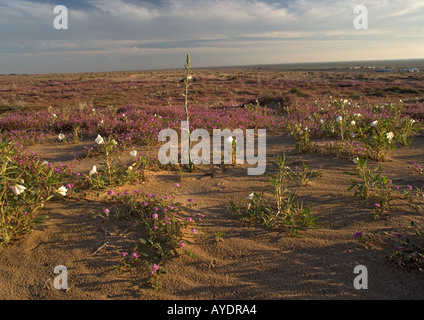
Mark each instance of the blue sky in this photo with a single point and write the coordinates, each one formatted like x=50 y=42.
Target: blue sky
x=114 y=35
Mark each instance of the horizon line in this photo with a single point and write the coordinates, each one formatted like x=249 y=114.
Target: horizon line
x=229 y=66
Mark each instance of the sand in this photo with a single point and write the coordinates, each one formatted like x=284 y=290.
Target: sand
x=251 y=263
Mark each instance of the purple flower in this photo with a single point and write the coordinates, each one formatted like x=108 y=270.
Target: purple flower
x=144 y=203
x=126 y=193
x=190 y=200
x=166 y=197
x=399 y=235
x=358 y=234
x=136 y=191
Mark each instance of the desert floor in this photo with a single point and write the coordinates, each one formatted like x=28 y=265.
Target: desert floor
x=252 y=262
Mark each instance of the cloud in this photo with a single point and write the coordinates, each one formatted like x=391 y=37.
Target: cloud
x=216 y=30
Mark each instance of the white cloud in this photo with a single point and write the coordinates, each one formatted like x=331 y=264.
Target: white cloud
x=239 y=30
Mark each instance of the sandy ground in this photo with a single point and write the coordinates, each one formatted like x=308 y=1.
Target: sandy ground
x=252 y=262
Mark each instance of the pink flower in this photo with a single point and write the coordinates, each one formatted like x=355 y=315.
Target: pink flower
x=106 y=211
x=110 y=193
x=176 y=185
x=134 y=255
x=181 y=244
x=155 y=267
x=193 y=230
x=124 y=253
x=189 y=219
x=155 y=216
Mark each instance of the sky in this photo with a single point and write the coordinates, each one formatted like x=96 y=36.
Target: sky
x=119 y=35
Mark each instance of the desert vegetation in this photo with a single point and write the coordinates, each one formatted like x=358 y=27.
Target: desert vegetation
x=350 y=131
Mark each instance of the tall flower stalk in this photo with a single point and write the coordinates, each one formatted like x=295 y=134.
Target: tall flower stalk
x=187 y=78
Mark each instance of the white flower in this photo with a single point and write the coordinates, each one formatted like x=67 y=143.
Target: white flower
x=93 y=171
x=17 y=189
x=374 y=123
x=345 y=101
x=99 y=139
x=250 y=196
x=352 y=123
x=101 y=121
x=130 y=168
x=339 y=119
x=229 y=140
x=54 y=115
x=45 y=162
x=114 y=142
x=305 y=128
x=133 y=153
x=321 y=121
x=61 y=136
x=390 y=136
x=355 y=161
x=62 y=191
x=412 y=121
